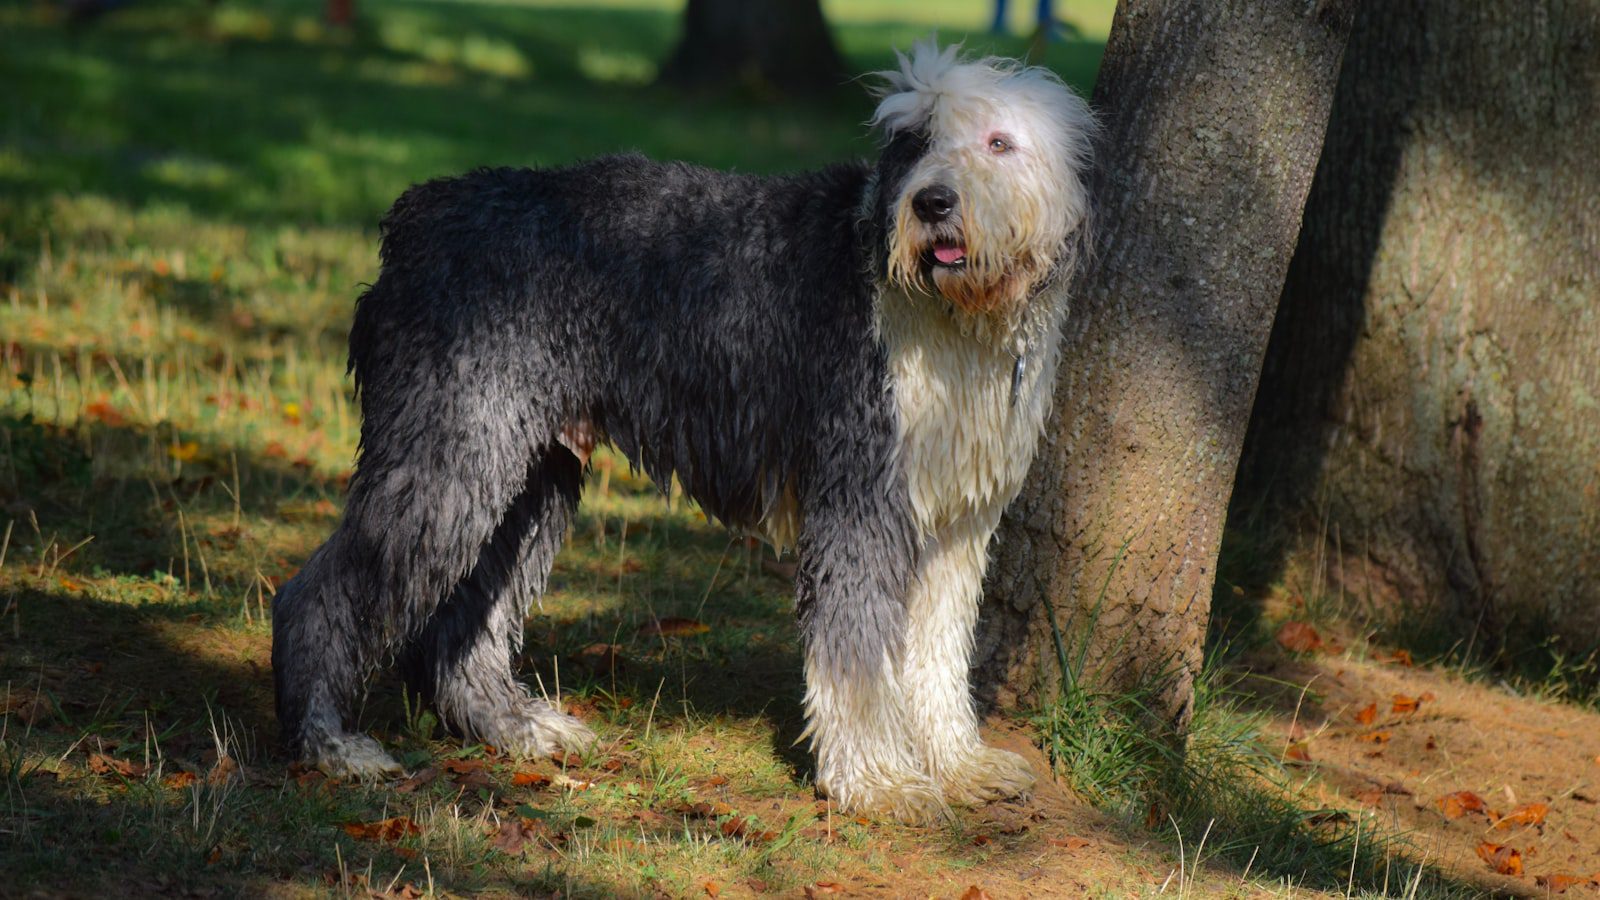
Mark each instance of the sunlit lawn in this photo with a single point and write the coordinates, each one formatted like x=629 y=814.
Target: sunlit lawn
x=188 y=200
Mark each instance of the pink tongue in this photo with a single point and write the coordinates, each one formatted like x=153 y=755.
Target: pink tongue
x=949 y=254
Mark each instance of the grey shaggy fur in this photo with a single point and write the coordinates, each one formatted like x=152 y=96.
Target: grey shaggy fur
x=711 y=325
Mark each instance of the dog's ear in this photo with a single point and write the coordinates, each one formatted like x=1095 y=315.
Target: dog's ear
x=906 y=96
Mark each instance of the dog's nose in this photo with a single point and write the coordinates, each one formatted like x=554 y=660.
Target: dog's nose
x=934 y=204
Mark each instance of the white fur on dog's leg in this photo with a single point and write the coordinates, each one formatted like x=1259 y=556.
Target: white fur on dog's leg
x=988 y=774
x=534 y=728
x=865 y=763
x=941 y=612
x=354 y=756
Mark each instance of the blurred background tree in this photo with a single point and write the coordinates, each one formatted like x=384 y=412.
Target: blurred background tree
x=1430 y=407
x=781 y=45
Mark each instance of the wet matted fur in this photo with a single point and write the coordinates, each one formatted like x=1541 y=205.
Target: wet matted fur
x=855 y=361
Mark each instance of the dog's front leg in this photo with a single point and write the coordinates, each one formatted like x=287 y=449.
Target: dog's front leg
x=857 y=554
x=934 y=666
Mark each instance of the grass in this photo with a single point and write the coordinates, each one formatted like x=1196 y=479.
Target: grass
x=187 y=208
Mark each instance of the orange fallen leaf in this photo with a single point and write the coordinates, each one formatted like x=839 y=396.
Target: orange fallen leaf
x=104 y=413
x=1298 y=637
x=1070 y=842
x=463 y=766
x=530 y=779
x=384 y=830
x=1298 y=753
x=226 y=769
x=1456 y=805
x=974 y=892
x=1526 y=814
x=823 y=887
x=1398 y=657
x=184 y=452
x=712 y=889
x=180 y=780
x=1367 y=714
x=674 y=626
x=514 y=833
x=1501 y=858
x=1376 y=737
x=1404 y=704
x=717 y=780
x=101 y=764
x=1559 y=883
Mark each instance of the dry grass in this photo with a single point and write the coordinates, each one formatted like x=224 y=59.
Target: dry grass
x=186 y=209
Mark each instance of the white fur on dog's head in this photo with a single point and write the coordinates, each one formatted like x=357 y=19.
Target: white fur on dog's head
x=1012 y=141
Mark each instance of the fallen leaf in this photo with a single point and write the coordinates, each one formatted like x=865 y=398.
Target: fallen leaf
x=1298 y=637
x=105 y=413
x=1398 y=657
x=712 y=889
x=1501 y=858
x=601 y=659
x=421 y=778
x=982 y=840
x=1070 y=842
x=1559 y=883
x=975 y=893
x=1526 y=814
x=526 y=778
x=674 y=626
x=1367 y=714
x=1297 y=753
x=516 y=832
x=1376 y=737
x=223 y=772
x=1456 y=805
x=717 y=780
x=1404 y=704
x=566 y=760
x=180 y=780
x=384 y=830
x=101 y=764
x=823 y=887
x=185 y=451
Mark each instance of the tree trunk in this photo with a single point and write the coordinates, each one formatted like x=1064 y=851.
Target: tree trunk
x=782 y=44
x=1432 y=393
x=1213 y=116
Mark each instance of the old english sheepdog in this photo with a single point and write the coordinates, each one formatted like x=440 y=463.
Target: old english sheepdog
x=855 y=363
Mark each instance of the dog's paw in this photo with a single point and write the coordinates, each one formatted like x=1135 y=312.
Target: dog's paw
x=912 y=799
x=534 y=728
x=352 y=756
x=991 y=774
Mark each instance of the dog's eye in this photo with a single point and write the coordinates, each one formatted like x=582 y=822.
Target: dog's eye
x=999 y=144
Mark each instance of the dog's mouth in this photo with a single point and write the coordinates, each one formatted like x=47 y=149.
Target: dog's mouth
x=949 y=254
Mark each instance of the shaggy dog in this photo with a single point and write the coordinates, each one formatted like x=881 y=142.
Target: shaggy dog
x=854 y=362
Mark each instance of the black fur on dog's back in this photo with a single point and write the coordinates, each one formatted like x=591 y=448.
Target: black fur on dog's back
x=670 y=305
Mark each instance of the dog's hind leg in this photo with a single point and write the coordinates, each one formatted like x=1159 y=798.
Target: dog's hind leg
x=442 y=461
x=464 y=659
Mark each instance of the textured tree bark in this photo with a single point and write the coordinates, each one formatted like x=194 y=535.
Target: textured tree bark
x=782 y=44
x=1213 y=115
x=1432 y=393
